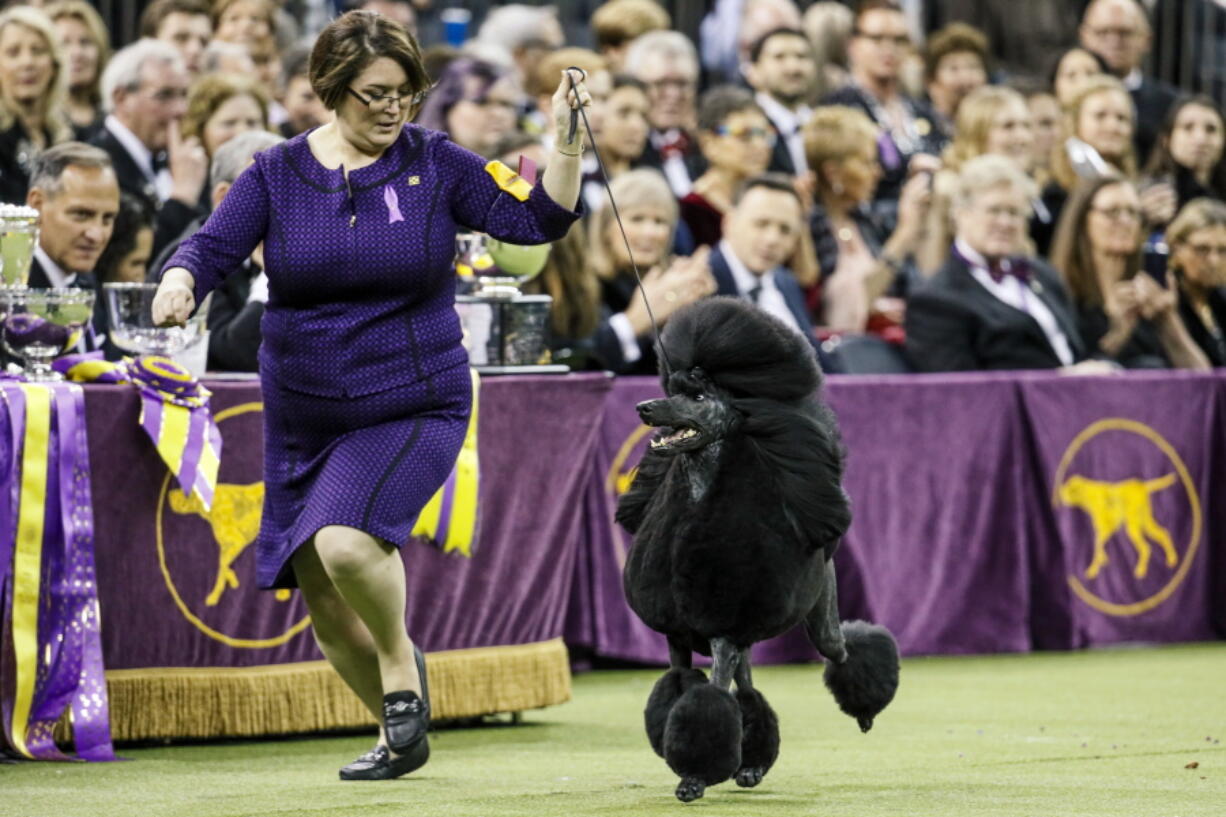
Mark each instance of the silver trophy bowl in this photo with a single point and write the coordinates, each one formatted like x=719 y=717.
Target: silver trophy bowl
x=130 y=309
x=18 y=238
x=41 y=324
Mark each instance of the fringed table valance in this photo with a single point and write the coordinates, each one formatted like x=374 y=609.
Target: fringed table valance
x=309 y=696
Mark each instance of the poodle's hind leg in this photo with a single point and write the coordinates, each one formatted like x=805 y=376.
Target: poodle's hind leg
x=759 y=728
x=702 y=737
x=671 y=686
x=861 y=658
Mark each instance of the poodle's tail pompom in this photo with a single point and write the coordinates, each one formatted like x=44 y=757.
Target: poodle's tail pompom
x=865 y=683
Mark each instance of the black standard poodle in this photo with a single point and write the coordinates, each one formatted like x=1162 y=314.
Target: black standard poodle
x=736 y=510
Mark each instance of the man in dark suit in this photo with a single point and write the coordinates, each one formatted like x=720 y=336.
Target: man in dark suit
x=1119 y=32
x=988 y=308
x=760 y=234
x=781 y=72
x=144 y=88
x=237 y=305
x=74 y=189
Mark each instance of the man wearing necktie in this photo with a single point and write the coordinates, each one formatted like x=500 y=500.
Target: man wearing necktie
x=760 y=234
x=781 y=71
x=144 y=89
x=990 y=306
x=666 y=62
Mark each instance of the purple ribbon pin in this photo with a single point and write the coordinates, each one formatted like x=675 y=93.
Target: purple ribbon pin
x=393 y=205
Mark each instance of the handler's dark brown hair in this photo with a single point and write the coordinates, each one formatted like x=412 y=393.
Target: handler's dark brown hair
x=355 y=40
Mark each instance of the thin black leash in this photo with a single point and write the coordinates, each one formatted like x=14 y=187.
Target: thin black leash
x=604 y=178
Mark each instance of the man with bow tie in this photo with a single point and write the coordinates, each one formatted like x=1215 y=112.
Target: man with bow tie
x=144 y=89
x=991 y=306
x=666 y=62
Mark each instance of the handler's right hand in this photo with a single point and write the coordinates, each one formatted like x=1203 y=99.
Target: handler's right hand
x=172 y=304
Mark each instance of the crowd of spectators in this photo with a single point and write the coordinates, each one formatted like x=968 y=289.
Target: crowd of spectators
x=1003 y=190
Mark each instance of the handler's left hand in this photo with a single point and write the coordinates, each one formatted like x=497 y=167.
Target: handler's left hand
x=564 y=101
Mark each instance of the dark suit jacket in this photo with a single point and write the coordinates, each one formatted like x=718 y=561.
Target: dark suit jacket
x=173 y=216
x=694 y=163
x=784 y=281
x=1213 y=346
x=233 y=323
x=955 y=324
x=1153 y=99
x=101 y=319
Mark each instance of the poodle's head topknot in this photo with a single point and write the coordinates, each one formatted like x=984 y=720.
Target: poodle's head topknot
x=742 y=349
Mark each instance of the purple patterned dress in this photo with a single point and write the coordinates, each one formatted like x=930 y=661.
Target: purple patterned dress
x=366 y=386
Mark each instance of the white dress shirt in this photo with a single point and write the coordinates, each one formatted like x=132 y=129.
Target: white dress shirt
x=1019 y=296
x=161 y=181
x=790 y=124
x=56 y=275
x=769 y=298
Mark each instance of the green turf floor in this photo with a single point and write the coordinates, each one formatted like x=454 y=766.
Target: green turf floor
x=1107 y=733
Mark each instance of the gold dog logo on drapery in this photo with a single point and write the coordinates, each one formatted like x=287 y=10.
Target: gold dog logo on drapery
x=1135 y=531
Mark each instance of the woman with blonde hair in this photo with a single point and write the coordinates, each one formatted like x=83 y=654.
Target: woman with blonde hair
x=624 y=341
x=992 y=119
x=860 y=264
x=1100 y=120
x=1197 y=238
x=33 y=83
x=87 y=47
x=1122 y=313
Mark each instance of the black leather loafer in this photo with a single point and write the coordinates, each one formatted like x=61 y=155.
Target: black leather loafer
x=378 y=763
x=406 y=715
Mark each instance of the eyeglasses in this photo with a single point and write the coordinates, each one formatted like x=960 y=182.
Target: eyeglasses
x=670 y=84
x=1119 y=213
x=164 y=96
x=896 y=40
x=382 y=102
x=1004 y=212
x=1206 y=251
x=1118 y=33
x=748 y=134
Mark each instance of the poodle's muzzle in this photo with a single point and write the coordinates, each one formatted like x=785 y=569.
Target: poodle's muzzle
x=687 y=422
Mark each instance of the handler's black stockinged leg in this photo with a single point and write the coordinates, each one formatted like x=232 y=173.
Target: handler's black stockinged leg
x=759 y=728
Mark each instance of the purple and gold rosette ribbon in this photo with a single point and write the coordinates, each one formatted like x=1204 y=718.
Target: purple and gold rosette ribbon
x=174 y=413
x=449 y=519
x=50 y=634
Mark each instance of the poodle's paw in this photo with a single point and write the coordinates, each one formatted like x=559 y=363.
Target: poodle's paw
x=749 y=776
x=690 y=789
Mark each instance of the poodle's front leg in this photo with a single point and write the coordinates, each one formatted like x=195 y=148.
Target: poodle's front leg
x=759 y=728
x=702 y=737
x=725 y=657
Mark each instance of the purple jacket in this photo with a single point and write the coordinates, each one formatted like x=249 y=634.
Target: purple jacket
x=361 y=281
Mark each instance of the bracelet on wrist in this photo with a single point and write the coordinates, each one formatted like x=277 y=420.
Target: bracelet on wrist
x=558 y=148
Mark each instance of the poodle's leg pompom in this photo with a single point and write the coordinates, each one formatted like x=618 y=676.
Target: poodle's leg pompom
x=702 y=739
x=664 y=694
x=865 y=683
x=759 y=737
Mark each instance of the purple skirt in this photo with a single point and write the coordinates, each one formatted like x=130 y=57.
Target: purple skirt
x=369 y=462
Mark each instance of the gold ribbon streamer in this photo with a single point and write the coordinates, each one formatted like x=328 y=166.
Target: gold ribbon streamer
x=27 y=559
x=461 y=529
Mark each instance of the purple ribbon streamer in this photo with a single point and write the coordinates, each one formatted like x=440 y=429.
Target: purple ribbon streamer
x=71 y=670
x=444 y=511
x=16 y=402
x=393 y=204
x=91 y=721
